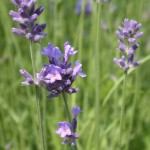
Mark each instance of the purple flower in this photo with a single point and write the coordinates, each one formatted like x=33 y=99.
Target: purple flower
x=53 y=53
x=26 y=17
x=27 y=76
x=53 y=74
x=88 y=7
x=77 y=70
x=67 y=131
x=128 y=35
x=130 y=30
x=69 y=51
x=59 y=75
x=75 y=111
x=64 y=129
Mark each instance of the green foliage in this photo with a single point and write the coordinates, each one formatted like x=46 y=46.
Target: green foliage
x=18 y=113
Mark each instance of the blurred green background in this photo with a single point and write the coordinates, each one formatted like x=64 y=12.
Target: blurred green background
x=18 y=112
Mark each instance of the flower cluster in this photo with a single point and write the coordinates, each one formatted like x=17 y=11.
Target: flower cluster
x=128 y=44
x=68 y=130
x=26 y=17
x=59 y=75
x=88 y=7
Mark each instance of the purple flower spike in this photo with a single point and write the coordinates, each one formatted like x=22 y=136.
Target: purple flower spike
x=26 y=17
x=59 y=75
x=64 y=129
x=128 y=34
x=28 y=77
x=67 y=131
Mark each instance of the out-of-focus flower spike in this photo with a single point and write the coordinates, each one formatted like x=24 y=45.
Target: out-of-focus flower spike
x=26 y=17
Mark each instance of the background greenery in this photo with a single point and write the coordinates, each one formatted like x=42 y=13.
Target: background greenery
x=18 y=112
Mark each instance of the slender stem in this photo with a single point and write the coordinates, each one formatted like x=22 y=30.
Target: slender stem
x=39 y=117
x=97 y=77
x=44 y=122
x=133 y=109
x=122 y=110
x=119 y=81
x=32 y=60
x=68 y=114
x=38 y=101
x=66 y=105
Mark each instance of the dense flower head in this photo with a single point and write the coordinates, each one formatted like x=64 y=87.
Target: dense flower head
x=128 y=35
x=88 y=7
x=67 y=131
x=59 y=75
x=129 y=31
x=26 y=17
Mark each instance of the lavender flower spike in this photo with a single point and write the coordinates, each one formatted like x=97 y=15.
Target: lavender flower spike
x=128 y=34
x=67 y=131
x=59 y=76
x=26 y=17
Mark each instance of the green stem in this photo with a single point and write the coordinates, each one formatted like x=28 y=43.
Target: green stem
x=133 y=109
x=122 y=110
x=44 y=123
x=66 y=105
x=38 y=101
x=115 y=86
x=32 y=60
x=39 y=117
x=68 y=114
x=97 y=77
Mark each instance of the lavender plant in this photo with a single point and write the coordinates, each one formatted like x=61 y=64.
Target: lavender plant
x=57 y=78
x=128 y=35
x=26 y=17
x=128 y=44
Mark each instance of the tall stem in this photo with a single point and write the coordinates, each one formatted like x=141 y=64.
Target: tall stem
x=131 y=123
x=38 y=101
x=44 y=122
x=66 y=105
x=68 y=114
x=97 y=77
x=122 y=110
x=39 y=117
x=32 y=60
